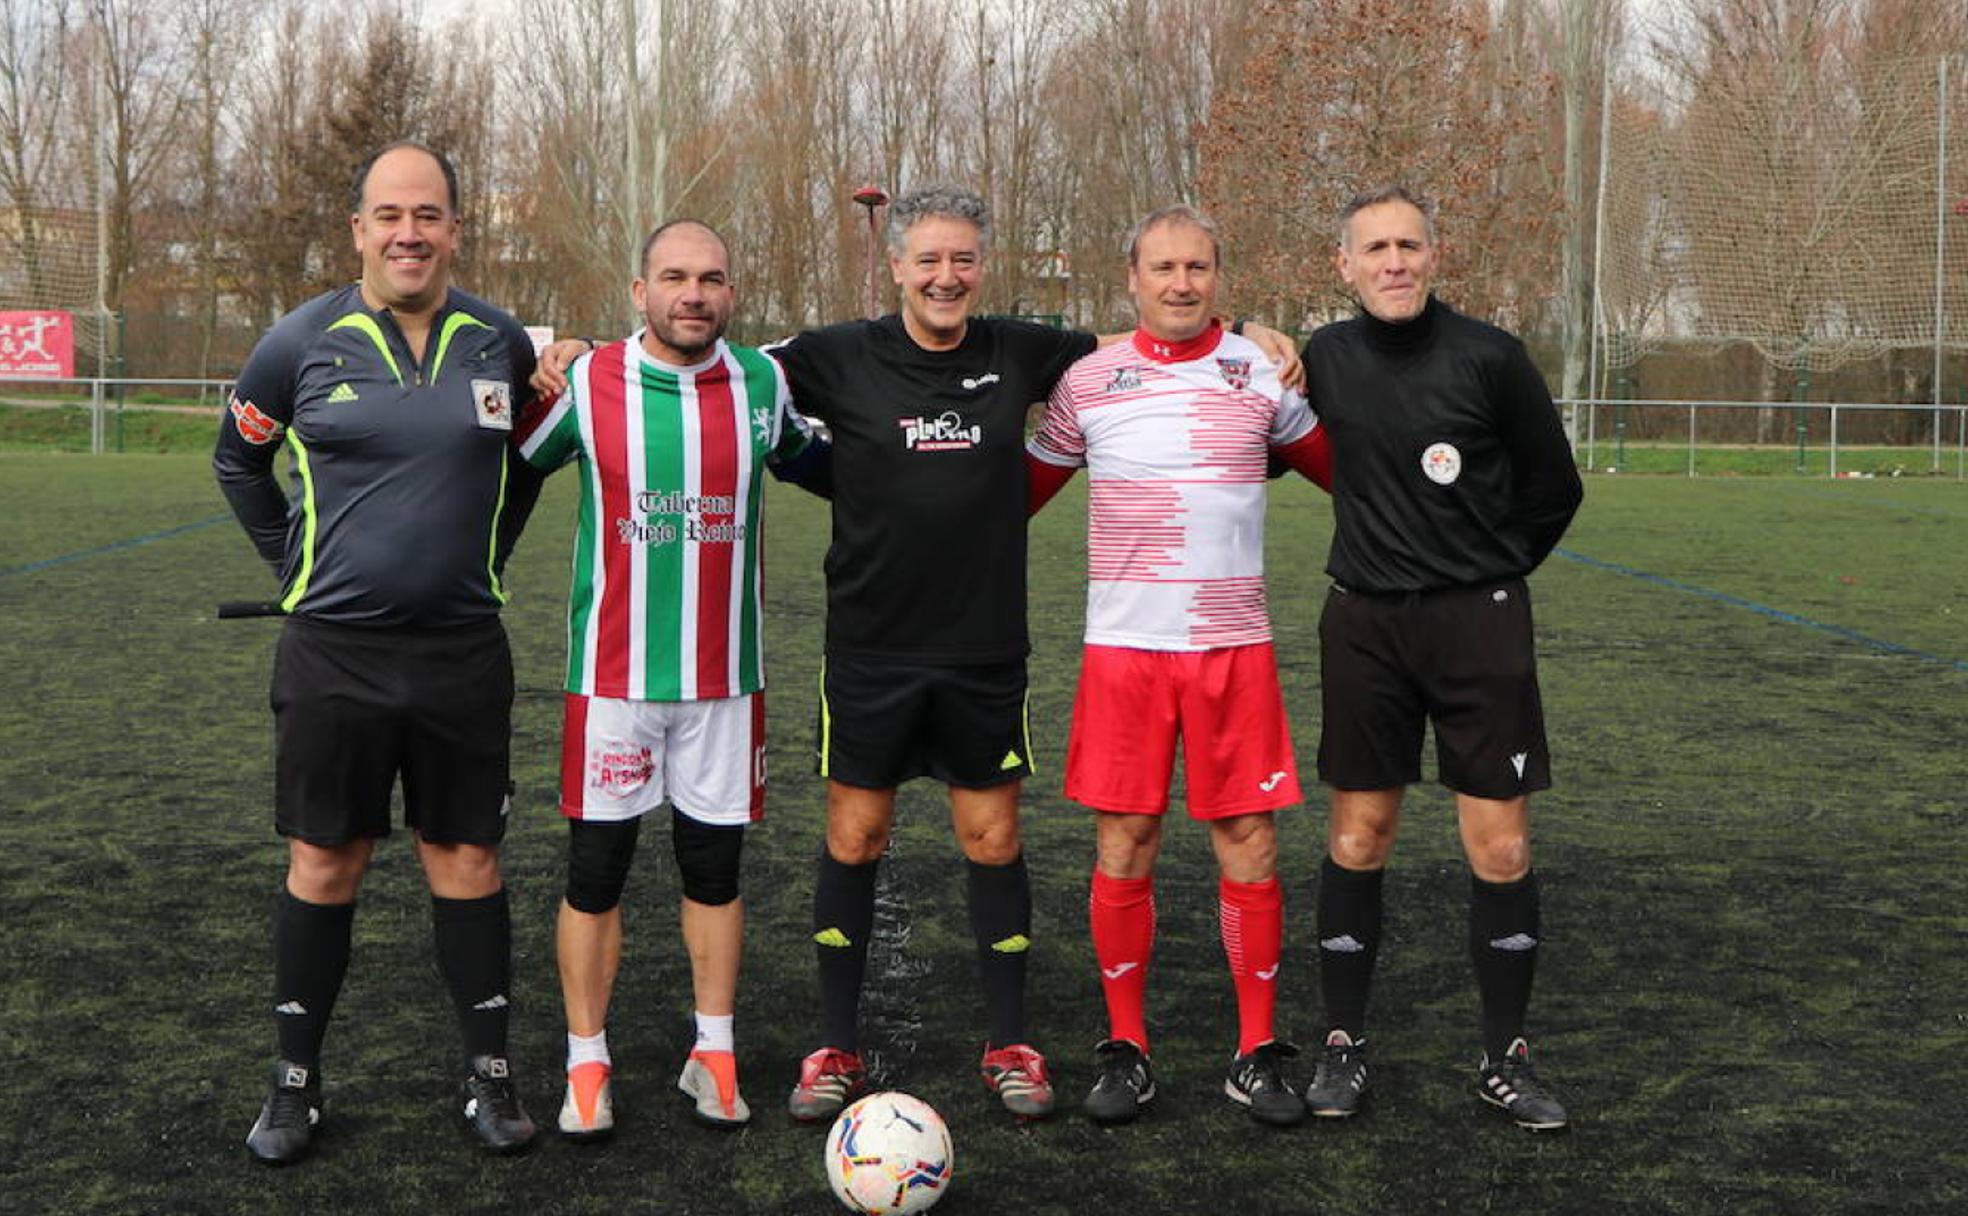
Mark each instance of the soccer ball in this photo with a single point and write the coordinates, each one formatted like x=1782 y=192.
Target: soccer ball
x=889 y=1154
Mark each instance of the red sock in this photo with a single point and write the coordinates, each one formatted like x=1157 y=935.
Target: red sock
x=1252 y=915
x=1122 y=914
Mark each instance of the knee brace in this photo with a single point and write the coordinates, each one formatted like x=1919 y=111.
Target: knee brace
x=598 y=857
x=707 y=858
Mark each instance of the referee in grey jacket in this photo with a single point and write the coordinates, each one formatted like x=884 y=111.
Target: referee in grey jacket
x=394 y=397
x=1452 y=481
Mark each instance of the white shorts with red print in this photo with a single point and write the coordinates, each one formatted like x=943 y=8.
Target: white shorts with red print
x=1225 y=706
x=620 y=759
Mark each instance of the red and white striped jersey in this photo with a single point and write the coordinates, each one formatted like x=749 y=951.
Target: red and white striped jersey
x=666 y=602
x=1174 y=437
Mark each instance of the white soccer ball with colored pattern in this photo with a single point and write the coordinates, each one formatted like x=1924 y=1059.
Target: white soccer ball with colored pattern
x=889 y=1154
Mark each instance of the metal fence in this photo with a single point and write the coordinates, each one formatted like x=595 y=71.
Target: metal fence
x=107 y=398
x=1604 y=431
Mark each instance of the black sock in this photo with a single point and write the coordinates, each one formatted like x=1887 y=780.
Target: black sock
x=843 y=921
x=474 y=953
x=1349 y=942
x=310 y=957
x=1001 y=921
x=1503 y=941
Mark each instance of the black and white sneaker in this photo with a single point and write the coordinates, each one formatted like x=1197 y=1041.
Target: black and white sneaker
x=1257 y=1081
x=492 y=1106
x=1126 y=1083
x=1341 y=1080
x=1512 y=1086
x=285 y=1129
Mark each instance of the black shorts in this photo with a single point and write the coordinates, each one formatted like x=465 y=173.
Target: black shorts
x=353 y=708
x=1461 y=658
x=884 y=721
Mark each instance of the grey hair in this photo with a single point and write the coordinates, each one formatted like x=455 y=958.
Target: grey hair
x=1181 y=213
x=1387 y=194
x=938 y=201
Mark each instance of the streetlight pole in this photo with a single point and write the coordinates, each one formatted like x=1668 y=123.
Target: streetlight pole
x=872 y=197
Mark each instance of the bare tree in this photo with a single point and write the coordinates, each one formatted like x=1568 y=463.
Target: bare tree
x=1352 y=93
x=1802 y=140
x=906 y=77
x=279 y=209
x=139 y=71
x=1004 y=136
x=216 y=31
x=34 y=91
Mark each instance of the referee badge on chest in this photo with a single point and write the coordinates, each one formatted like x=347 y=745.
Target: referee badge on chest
x=493 y=401
x=1442 y=463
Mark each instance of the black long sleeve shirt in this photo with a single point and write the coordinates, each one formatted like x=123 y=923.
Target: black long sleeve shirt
x=1449 y=464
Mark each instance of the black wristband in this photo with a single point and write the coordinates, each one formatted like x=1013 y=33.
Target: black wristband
x=1237 y=327
x=592 y=344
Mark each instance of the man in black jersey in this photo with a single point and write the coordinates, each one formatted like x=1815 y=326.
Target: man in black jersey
x=395 y=398
x=926 y=638
x=1452 y=481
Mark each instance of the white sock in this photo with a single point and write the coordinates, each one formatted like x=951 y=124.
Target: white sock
x=587 y=1049
x=714 y=1032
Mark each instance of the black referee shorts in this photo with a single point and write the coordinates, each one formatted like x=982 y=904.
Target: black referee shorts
x=356 y=708
x=885 y=721
x=1461 y=658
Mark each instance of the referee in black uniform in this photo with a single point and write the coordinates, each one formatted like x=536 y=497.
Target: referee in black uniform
x=1452 y=481
x=394 y=397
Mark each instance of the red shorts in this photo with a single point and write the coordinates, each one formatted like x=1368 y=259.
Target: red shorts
x=1224 y=704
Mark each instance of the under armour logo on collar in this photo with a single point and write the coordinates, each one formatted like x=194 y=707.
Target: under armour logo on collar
x=1163 y=349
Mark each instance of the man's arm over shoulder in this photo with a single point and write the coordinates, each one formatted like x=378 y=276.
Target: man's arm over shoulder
x=523 y=478
x=802 y=454
x=1056 y=449
x=1299 y=442
x=1546 y=488
x=816 y=363
x=1051 y=349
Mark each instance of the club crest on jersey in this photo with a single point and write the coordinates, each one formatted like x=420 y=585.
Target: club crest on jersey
x=944 y=433
x=1442 y=463
x=619 y=769
x=493 y=401
x=1127 y=380
x=1236 y=372
x=253 y=426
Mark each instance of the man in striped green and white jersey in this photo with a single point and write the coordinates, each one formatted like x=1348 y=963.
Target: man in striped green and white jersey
x=670 y=428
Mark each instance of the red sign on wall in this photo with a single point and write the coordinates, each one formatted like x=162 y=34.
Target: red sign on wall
x=37 y=344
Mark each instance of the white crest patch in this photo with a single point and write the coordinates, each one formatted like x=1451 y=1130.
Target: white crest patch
x=493 y=401
x=1442 y=463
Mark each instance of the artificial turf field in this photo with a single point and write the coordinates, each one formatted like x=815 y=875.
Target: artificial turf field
x=1753 y=994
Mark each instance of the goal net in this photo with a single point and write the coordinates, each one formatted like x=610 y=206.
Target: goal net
x=1820 y=215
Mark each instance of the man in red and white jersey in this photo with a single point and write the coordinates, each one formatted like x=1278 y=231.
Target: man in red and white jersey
x=1175 y=428
x=671 y=429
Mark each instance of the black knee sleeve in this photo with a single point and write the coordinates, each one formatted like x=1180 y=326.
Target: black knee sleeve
x=707 y=858
x=598 y=857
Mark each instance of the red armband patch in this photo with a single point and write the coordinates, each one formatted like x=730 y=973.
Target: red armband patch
x=253 y=426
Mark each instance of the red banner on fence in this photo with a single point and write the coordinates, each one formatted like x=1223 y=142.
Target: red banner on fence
x=37 y=344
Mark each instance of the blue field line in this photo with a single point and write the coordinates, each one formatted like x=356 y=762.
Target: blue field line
x=1775 y=614
x=133 y=542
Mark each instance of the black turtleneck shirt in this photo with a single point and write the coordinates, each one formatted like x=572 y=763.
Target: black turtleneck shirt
x=1449 y=464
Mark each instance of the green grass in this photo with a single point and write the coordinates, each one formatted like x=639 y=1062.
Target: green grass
x=1752 y=995
x=65 y=428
